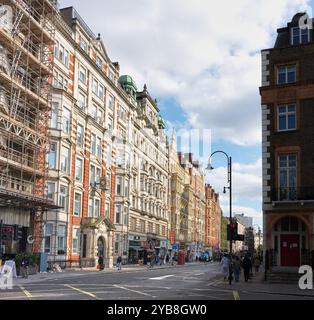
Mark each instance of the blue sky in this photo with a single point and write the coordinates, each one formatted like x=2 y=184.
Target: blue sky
x=202 y=63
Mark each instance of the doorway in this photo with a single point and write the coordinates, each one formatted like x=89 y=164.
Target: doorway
x=290 y=250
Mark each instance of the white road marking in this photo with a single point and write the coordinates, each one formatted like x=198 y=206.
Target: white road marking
x=27 y=293
x=139 y=292
x=199 y=274
x=236 y=295
x=81 y=291
x=162 y=278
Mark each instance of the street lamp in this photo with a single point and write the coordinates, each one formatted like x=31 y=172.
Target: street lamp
x=209 y=168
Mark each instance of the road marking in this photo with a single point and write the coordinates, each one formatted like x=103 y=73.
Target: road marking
x=162 y=278
x=81 y=291
x=236 y=295
x=27 y=293
x=199 y=274
x=139 y=292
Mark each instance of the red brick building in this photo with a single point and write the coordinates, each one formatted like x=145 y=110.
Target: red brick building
x=287 y=128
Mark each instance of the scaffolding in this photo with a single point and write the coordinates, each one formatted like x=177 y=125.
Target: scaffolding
x=26 y=65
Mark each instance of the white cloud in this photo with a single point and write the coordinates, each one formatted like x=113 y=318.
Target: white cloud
x=206 y=54
x=246 y=181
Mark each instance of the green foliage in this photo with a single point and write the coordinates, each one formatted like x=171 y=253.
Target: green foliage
x=33 y=259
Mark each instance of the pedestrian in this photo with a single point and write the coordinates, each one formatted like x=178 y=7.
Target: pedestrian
x=225 y=266
x=101 y=263
x=167 y=258
x=247 y=266
x=119 y=263
x=24 y=267
x=257 y=263
x=237 y=268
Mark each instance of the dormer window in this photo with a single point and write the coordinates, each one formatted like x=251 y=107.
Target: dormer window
x=300 y=35
x=83 y=44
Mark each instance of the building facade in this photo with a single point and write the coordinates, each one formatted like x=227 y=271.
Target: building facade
x=26 y=41
x=287 y=124
x=213 y=216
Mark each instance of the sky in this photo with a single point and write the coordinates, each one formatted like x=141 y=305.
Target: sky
x=201 y=60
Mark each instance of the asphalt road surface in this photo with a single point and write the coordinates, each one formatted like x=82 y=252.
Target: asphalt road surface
x=190 y=282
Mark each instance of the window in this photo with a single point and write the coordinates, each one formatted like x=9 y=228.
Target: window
x=63 y=198
x=163 y=230
x=132 y=224
x=93 y=111
x=110 y=102
x=66 y=120
x=83 y=44
x=98 y=147
x=287 y=177
x=60 y=81
x=51 y=190
x=97 y=207
x=65 y=159
x=54 y=115
x=61 y=231
x=82 y=100
x=157 y=228
x=100 y=116
x=108 y=182
x=107 y=209
x=82 y=75
x=125 y=216
x=75 y=241
x=77 y=204
x=300 y=35
x=79 y=170
x=108 y=155
x=98 y=62
x=110 y=125
x=79 y=135
x=63 y=55
x=90 y=207
x=92 y=174
x=52 y=156
x=150 y=227
x=98 y=89
x=286 y=74
x=119 y=185
x=98 y=174
x=111 y=75
x=286 y=117
x=118 y=214
x=48 y=234
x=142 y=226
x=93 y=144
x=122 y=114
x=116 y=244
x=56 y=49
x=126 y=188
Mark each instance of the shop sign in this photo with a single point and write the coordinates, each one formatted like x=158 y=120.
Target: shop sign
x=174 y=247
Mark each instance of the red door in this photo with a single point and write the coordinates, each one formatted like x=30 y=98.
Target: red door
x=290 y=250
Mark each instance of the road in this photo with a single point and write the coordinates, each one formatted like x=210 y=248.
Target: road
x=190 y=282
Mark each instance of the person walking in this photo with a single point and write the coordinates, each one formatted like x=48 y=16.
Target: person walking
x=101 y=263
x=225 y=266
x=119 y=263
x=247 y=266
x=149 y=261
x=24 y=267
x=237 y=268
x=257 y=263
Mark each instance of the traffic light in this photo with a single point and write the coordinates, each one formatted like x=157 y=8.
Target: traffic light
x=232 y=230
x=18 y=232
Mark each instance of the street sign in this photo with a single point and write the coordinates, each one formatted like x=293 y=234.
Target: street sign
x=174 y=247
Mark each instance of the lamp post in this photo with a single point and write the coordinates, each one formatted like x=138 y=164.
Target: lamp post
x=259 y=239
x=229 y=162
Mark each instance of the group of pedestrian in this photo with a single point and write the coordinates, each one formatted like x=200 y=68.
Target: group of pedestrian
x=101 y=263
x=236 y=264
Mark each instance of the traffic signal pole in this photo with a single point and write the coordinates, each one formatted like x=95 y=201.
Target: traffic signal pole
x=230 y=217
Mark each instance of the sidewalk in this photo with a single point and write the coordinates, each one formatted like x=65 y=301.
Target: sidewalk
x=47 y=276
x=257 y=284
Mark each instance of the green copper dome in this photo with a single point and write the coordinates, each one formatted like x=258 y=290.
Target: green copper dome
x=161 y=123
x=128 y=84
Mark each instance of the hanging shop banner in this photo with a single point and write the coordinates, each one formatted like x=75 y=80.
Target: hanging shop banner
x=172 y=236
